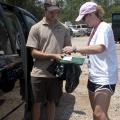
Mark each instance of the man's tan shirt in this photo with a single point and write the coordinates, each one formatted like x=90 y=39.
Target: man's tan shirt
x=48 y=39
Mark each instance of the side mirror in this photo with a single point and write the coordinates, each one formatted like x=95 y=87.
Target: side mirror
x=2 y=52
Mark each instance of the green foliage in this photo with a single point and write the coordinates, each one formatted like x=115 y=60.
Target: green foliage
x=28 y=5
x=37 y=11
x=115 y=9
x=70 y=8
x=20 y=3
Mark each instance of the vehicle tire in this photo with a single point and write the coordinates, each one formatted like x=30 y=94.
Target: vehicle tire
x=73 y=35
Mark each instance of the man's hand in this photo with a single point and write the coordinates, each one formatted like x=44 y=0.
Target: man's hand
x=57 y=56
x=42 y=55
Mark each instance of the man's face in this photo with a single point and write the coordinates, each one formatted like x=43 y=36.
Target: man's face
x=51 y=15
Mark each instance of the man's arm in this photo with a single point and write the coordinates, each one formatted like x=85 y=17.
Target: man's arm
x=67 y=41
x=42 y=55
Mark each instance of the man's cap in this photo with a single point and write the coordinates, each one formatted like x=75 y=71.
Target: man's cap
x=86 y=8
x=51 y=6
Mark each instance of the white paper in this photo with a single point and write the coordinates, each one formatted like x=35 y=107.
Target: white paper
x=68 y=58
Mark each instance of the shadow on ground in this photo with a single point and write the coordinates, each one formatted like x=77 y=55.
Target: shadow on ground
x=66 y=107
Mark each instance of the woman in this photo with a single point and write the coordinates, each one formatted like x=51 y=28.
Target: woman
x=102 y=60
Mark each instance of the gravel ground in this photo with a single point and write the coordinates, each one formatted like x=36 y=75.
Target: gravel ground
x=73 y=106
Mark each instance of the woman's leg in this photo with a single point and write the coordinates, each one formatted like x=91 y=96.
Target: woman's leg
x=101 y=104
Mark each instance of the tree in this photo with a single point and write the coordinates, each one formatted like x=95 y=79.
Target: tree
x=20 y=3
x=71 y=10
x=28 y=5
x=109 y=6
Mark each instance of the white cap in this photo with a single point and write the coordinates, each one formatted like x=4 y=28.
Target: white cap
x=52 y=8
x=51 y=5
x=86 y=8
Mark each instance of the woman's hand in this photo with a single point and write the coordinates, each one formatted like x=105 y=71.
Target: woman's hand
x=68 y=49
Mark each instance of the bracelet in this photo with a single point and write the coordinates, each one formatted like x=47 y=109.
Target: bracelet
x=74 y=49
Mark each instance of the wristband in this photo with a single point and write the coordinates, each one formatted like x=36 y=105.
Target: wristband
x=74 y=49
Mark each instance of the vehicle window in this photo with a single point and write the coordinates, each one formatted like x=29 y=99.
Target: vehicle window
x=73 y=26
x=116 y=17
x=78 y=26
x=5 y=45
x=84 y=26
x=15 y=30
x=30 y=20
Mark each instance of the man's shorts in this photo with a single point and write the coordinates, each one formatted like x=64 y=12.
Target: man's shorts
x=92 y=87
x=46 y=89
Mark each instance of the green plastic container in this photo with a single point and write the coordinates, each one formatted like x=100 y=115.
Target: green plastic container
x=75 y=60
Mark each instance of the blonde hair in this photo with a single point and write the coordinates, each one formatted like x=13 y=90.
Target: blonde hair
x=99 y=12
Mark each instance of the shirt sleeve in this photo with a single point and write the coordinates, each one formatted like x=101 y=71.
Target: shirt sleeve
x=33 y=38
x=103 y=36
x=67 y=41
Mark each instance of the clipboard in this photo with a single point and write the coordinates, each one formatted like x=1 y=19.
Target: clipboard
x=74 y=60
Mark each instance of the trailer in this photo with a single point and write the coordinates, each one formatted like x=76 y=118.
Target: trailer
x=116 y=26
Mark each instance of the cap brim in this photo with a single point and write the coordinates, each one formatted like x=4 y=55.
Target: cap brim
x=52 y=8
x=79 y=18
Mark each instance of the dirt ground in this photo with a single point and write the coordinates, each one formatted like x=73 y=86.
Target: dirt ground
x=73 y=106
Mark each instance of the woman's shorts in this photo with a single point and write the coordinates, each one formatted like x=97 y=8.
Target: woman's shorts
x=92 y=87
x=46 y=89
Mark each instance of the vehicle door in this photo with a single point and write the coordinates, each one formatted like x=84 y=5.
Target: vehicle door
x=12 y=68
x=27 y=20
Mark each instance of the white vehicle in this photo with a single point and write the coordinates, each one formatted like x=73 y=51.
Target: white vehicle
x=75 y=31
x=67 y=23
x=82 y=29
x=79 y=30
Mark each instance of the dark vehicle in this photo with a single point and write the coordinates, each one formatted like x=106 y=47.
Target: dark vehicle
x=15 y=59
x=116 y=26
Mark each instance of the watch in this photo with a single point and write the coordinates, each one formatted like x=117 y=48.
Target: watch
x=74 y=49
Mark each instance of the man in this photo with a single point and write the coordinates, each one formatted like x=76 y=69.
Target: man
x=46 y=40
